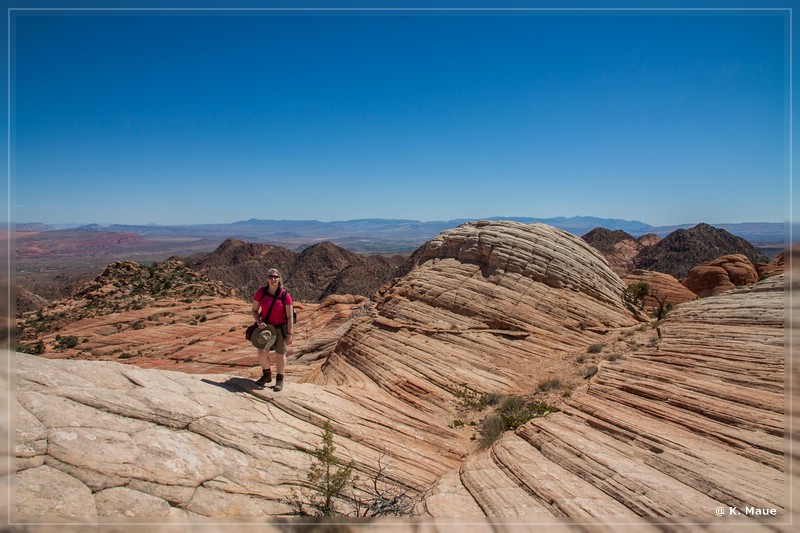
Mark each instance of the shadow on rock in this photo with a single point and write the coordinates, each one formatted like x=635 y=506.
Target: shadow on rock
x=235 y=384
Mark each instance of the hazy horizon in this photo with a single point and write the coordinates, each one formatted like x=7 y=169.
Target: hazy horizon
x=68 y=225
x=190 y=117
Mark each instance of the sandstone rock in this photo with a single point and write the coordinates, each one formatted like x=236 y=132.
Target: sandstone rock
x=239 y=455
x=492 y=306
x=678 y=429
x=46 y=492
x=720 y=275
x=124 y=502
x=773 y=268
x=204 y=336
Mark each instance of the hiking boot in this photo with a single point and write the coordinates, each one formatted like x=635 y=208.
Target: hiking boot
x=278 y=383
x=265 y=378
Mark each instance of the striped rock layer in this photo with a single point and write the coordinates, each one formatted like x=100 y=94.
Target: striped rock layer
x=493 y=306
x=681 y=429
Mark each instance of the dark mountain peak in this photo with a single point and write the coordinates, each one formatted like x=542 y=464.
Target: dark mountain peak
x=604 y=239
x=682 y=249
x=321 y=269
x=229 y=244
x=327 y=249
x=648 y=239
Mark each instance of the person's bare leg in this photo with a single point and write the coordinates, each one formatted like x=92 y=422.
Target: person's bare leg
x=266 y=374
x=280 y=366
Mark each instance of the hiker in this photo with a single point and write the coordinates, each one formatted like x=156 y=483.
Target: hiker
x=274 y=301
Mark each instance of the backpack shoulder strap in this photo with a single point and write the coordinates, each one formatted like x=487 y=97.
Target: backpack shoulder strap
x=274 y=299
x=263 y=293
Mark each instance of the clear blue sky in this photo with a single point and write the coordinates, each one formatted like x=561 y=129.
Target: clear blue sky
x=187 y=117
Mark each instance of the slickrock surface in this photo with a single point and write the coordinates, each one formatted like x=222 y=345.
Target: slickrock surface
x=720 y=275
x=102 y=439
x=679 y=429
x=661 y=286
x=171 y=317
x=493 y=306
x=773 y=268
x=674 y=427
x=203 y=336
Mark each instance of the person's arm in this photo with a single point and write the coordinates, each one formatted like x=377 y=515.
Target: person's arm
x=289 y=321
x=255 y=313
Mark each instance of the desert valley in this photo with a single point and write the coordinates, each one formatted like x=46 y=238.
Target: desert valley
x=501 y=371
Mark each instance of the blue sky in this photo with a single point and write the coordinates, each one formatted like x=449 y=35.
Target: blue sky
x=186 y=117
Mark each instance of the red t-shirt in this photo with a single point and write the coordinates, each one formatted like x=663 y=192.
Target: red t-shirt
x=278 y=315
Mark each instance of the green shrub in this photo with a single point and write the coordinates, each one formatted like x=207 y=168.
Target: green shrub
x=548 y=384
x=516 y=410
x=470 y=400
x=513 y=412
x=596 y=348
x=589 y=372
x=66 y=342
x=490 y=430
x=36 y=349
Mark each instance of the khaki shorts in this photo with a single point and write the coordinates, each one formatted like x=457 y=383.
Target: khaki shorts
x=280 y=343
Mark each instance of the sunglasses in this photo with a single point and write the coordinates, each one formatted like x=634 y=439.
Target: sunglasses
x=273 y=277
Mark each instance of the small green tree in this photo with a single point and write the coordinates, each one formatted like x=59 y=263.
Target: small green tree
x=326 y=481
x=330 y=482
x=660 y=311
x=635 y=293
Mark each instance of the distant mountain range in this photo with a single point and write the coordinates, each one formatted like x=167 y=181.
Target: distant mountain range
x=391 y=235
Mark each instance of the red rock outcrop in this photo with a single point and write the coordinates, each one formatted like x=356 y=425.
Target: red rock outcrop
x=204 y=337
x=773 y=268
x=662 y=287
x=27 y=301
x=720 y=275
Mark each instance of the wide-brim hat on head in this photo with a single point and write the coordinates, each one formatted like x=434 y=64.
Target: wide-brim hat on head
x=263 y=339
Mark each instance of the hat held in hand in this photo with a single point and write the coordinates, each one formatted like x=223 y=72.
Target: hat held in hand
x=263 y=339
